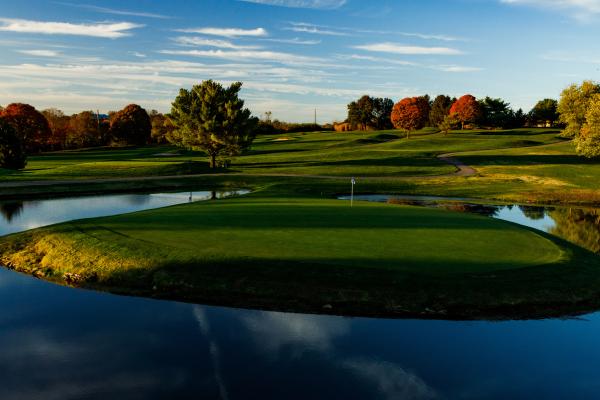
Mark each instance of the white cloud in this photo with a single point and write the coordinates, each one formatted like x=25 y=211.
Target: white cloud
x=317 y=4
x=455 y=68
x=244 y=55
x=353 y=31
x=40 y=53
x=395 y=48
x=227 y=32
x=116 y=12
x=295 y=41
x=303 y=27
x=580 y=9
x=375 y=59
x=380 y=60
x=105 y=30
x=429 y=36
x=74 y=87
x=199 y=41
x=570 y=57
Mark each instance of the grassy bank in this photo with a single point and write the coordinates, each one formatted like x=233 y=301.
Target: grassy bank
x=307 y=254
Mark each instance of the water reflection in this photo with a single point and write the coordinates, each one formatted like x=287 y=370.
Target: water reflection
x=391 y=380
x=580 y=226
x=23 y=215
x=63 y=343
x=10 y=210
x=534 y=213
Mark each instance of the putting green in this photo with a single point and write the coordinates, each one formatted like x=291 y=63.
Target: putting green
x=331 y=233
x=298 y=232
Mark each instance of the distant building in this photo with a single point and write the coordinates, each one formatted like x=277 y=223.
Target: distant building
x=342 y=127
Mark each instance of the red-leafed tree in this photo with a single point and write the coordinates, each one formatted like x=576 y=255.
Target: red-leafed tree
x=83 y=130
x=131 y=125
x=410 y=114
x=30 y=125
x=466 y=109
x=59 y=124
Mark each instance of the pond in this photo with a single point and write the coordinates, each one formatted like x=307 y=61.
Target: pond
x=64 y=343
x=16 y=216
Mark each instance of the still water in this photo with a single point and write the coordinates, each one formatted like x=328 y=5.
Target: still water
x=63 y=343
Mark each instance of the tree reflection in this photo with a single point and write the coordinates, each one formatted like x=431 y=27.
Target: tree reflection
x=533 y=212
x=11 y=210
x=137 y=199
x=481 y=209
x=579 y=226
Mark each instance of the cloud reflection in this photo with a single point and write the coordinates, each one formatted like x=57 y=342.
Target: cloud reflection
x=213 y=348
x=273 y=330
x=392 y=381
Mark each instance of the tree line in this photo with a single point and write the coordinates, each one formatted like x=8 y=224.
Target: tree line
x=213 y=119
x=209 y=117
x=446 y=113
x=25 y=130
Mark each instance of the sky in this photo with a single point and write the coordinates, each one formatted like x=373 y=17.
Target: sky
x=293 y=56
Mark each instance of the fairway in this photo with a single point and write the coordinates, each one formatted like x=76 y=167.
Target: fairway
x=367 y=154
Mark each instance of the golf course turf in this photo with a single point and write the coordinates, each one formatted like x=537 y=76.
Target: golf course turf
x=290 y=246
x=305 y=254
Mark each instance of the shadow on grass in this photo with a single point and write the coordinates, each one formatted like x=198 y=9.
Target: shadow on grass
x=514 y=132
x=370 y=162
x=311 y=286
x=527 y=159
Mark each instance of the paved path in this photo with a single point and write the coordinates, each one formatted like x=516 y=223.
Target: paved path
x=462 y=168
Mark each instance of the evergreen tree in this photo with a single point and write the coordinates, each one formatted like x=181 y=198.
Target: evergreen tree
x=213 y=119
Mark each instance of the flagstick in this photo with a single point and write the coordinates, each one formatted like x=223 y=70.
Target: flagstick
x=352 y=194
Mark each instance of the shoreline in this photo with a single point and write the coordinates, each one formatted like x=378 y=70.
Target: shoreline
x=551 y=290
x=80 y=188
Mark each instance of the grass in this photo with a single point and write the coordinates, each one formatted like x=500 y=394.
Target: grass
x=372 y=154
x=521 y=165
x=304 y=253
x=289 y=246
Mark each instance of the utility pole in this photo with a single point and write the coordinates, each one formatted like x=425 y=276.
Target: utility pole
x=315 y=116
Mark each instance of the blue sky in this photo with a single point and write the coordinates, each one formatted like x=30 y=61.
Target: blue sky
x=293 y=55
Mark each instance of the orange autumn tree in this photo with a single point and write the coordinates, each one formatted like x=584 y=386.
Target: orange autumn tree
x=131 y=125
x=466 y=109
x=410 y=114
x=30 y=125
